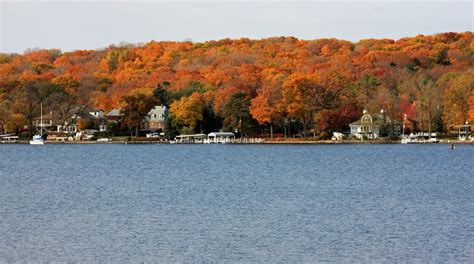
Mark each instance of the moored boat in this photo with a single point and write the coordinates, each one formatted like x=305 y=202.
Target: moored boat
x=38 y=138
x=420 y=138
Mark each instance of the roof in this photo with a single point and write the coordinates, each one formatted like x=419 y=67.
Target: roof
x=375 y=119
x=160 y=111
x=191 y=136
x=84 y=115
x=463 y=126
x=114 y=112
x=80 y=109
x=52 y=117
x=45 y=117
x=159 y=107
x=221 y=134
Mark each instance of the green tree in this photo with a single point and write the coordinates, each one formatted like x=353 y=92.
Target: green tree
x=170 y=130
x=237 y=115
x=161 y=93
x=192 y=87
x=211 y=121
x=367 y=85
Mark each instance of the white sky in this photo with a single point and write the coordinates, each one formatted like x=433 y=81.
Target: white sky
x=74 y=24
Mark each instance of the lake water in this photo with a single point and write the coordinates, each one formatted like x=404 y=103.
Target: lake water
x=236 y=203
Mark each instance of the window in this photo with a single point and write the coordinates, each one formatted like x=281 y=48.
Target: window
x=366 y=118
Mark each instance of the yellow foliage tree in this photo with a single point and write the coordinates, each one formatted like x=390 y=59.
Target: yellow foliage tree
x=187 y=111
x=15 y=123
x=458 y=88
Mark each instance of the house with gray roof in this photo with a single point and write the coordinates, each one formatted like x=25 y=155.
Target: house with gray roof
x=375 y=126
x=156 y=119
x=115 y=115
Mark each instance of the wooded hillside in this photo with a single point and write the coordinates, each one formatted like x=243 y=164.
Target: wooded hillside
x=249 y=85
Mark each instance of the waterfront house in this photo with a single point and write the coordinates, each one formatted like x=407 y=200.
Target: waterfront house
x=114 y=115
x=78 y=118
x=86 y=118
x=48 y=121
x=375 y=126
x=156 y=119
x=98 y=118
x=52 y=123
x=97 y=113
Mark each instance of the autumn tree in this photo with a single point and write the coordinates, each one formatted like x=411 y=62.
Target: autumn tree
x=299 y=95
x=471 y=108
x=135 y=108
x=5 y=114
x=28 y=99
x=64 y=99
x=267 y=107
x=429 y=103
x=15 y=123
x=59 y=96
x=457 y=89
x=262 y=110
x=187 y=112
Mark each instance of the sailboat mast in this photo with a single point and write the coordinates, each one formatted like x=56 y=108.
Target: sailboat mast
x=404 y=118
x=41 y=118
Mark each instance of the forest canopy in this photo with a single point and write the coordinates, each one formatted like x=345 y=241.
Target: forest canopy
x=247 y=84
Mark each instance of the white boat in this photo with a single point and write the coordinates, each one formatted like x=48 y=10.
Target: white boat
x=38 y=138
x=418 y=139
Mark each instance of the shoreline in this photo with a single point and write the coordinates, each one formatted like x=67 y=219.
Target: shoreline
x=269 y=142
x=364 y=142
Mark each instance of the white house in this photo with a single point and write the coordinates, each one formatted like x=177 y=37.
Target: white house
x=375 y=126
